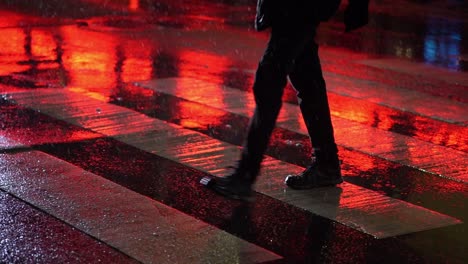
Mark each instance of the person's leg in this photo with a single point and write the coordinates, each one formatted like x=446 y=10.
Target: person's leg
x=270 y=80
x=283 y=52
x=306 y=77
x=309 y=83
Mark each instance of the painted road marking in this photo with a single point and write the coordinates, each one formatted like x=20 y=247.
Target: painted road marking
x=7 y=143
x=351 y=205
x=140 y=227
x=391 y=146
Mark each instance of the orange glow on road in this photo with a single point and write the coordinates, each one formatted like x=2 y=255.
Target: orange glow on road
x=206 y=116
x=199 y=64
x=43 y=45
x=138 y=64
x=386 y=118
x=136 y=69
x=206 y=66
x=195 y=65
x=85 y=92
x=209 y=94
x=134 y=4
x=12 y=51
x=90 y=59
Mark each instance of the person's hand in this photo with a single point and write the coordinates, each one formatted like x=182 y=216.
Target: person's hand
x=356 y=15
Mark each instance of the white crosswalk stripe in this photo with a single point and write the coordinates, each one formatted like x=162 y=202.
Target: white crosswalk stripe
x=351 y=205
x=402 y=149
x=142 y=228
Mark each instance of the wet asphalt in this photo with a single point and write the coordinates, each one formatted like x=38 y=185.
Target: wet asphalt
x=103 y=49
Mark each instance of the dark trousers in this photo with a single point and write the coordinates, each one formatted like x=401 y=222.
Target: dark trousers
x=293 y=54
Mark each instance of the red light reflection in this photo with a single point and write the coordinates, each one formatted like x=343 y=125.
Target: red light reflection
x=195 y=64
x=134 y=4
x=199 y=64
x=12 y=51
x=384 y=118
x=43 y=45
x=137 y=64
x=90 y=59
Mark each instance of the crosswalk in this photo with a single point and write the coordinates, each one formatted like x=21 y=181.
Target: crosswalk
x=63 y=185
x=413 y=152
x=125 y=171
x=357 y=208
x=142 y=228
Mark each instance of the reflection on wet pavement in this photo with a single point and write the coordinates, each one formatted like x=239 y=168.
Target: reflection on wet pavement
x=153 y=95
x=123 y=213
x=211 y=156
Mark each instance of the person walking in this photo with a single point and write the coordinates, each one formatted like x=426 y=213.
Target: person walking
x=291 y=52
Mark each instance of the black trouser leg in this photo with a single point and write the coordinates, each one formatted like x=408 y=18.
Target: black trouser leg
x=268 y=87
x=307 y=79
x=270 y=80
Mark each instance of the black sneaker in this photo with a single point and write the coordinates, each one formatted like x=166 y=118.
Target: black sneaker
x=231 y=186
x=314 y=176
